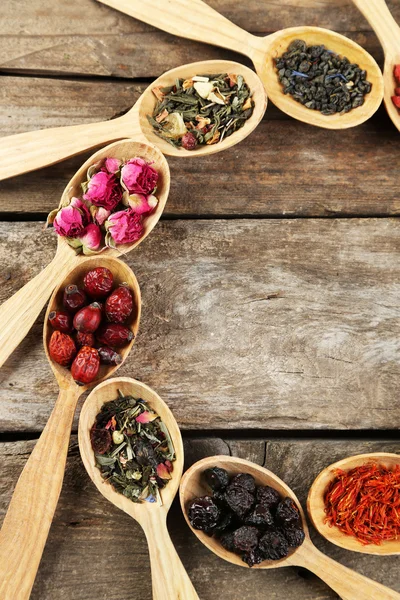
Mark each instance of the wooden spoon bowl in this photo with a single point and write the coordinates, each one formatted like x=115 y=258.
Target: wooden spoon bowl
x=347 y=583
x=316 y=504
x=170 y=580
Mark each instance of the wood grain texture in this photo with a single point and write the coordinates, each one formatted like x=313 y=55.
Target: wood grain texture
x=351 y=172
x=89 y=530
x=289 y=324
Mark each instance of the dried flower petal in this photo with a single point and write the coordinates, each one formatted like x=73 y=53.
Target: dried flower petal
x=163 y=472
x=146 y=417
x=162 y=116
x=158 y=93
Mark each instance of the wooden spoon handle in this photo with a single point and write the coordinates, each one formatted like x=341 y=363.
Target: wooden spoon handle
x=18 y=313
x=382 y=22
x=345 y=582
x=26 y=152
x=30 y=513
x=169 y=578
x=192 y=19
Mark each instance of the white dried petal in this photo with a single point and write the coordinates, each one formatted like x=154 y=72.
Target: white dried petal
x=200 y=78
x=216 y=97
x=203 y=88
x=176 y=127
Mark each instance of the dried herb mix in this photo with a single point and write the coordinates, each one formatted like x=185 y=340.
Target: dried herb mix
x=133 y=448
x=252 y=521
x=202 y=110
x=320 y=79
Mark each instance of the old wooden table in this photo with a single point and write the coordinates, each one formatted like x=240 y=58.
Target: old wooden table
x=270 y=290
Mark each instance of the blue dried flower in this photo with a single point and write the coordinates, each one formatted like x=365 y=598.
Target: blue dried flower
x=299 y=74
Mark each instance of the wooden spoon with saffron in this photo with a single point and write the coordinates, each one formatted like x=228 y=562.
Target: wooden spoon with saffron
x=27 y=522
x=26 y=152
x=18 y=313
x=169 y=578
x=195 y=20
x=316 y=504
x=345 y=582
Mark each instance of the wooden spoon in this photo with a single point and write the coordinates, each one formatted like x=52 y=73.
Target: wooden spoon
x=25 y=152
x=379 y=17
x=30 y=513
x=345 y=582
x=316 y=505
x=196 y=20
x=19 y=312
x=169 y=578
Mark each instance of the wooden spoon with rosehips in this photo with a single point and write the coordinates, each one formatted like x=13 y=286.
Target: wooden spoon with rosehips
x=19 y=312
x=105 y=336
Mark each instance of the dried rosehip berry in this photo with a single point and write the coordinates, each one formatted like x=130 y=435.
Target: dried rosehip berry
x=86 y=365
x=62 y=348
x=61 y=320
x=226 y=541
x=287 y=512
x=244 y=480
x=203 y=513
x=254 y=557
x=108 y=356
x=239 y=500
x=119 y=304
x=267 y=496
x=85 y=339
x=189 y=141
x=73 y=298
x=98 y=282
x=260 y=516
x=273 y=545
x=245 y=538
x=295 y=535
x=114 y=335
x=88 y=318
x=101 y=440
x=217 y=479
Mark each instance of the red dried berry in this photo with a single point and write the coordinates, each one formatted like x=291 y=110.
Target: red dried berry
x=98 y=282
x=85 y=339
x=396 y=101
x=108 y=356
x=397 y=91
x=61 y=321
x=101 y=440
x=396 y=73
x=62 y=348
x=88 y=318
x=119 y=304
x=74 y=298
x=86 y=365
x=114 y=335
x=189 y=141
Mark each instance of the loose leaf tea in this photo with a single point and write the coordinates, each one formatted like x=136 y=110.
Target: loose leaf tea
x=320 y=79
x=133 y=448
x=202 y=110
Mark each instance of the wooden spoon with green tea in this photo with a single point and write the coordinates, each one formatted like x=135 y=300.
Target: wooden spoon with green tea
x=348 y=584
x=195 y=20
x=26 y=152
x=18 y=313
x=30 y=513
x=169 y=578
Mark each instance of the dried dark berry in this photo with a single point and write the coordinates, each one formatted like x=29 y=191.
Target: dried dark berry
x=244 y=480
x=101 y=440
x=224 y=522
x=226 y=541
x=217 y=479
x=267 y=496
x=274 y=545
x=287 y=512
x=239 y=500
x=254 y=557
x=245 y=538
x=203 y=513
x=260 y=516
x=295 y=535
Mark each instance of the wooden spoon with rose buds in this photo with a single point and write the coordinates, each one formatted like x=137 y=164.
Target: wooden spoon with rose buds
x=27 y=522
x=348 y=584
x=26 y=152
x=380 y=18
x=18 y=313
x=195 y=20
x=169 y=578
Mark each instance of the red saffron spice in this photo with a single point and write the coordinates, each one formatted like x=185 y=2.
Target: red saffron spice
x=365 y=503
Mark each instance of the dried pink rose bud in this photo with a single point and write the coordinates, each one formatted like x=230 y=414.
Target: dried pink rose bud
x=140 y=204
x=71 y=220
x=112 y=165
x=125 y=226
x=138 y=177
x=100 y=214
x=103 y=189
x=91 y=239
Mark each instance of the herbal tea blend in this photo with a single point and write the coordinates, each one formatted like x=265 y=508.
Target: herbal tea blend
x=133 y=448
x=320 y=79
x=202 y=110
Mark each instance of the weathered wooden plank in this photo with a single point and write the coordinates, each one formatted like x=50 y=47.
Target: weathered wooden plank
x=89 y=38
x=96 y=551
x=283 y=168
x=278 y=324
